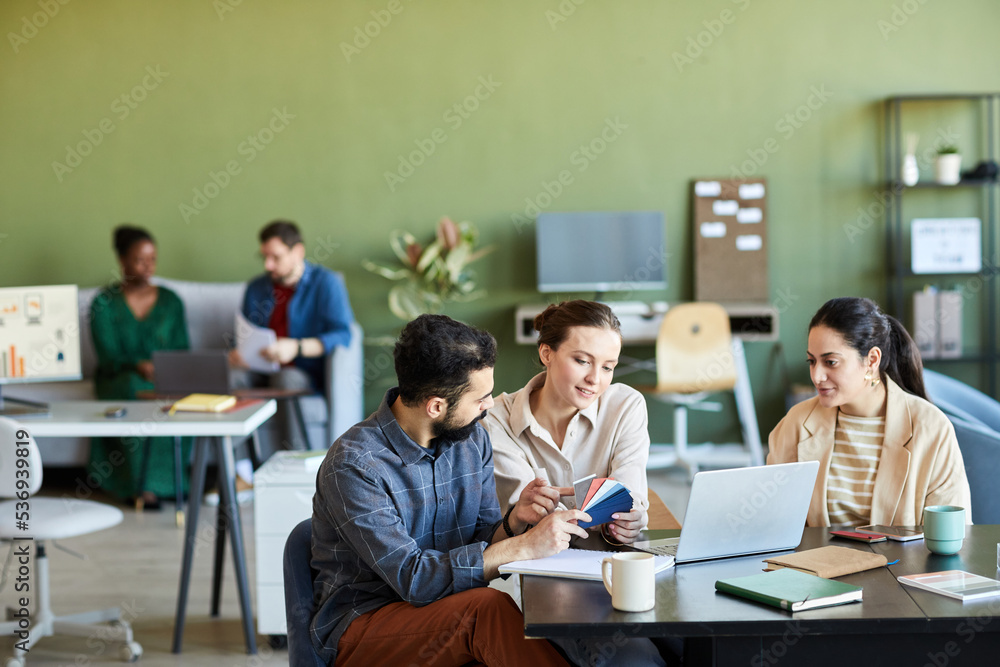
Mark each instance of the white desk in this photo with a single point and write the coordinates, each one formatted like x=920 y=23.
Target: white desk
x=148 y=418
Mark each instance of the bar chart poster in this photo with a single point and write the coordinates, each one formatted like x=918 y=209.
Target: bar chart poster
x=39 y=333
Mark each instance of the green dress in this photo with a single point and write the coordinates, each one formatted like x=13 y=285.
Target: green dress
x=121 y=341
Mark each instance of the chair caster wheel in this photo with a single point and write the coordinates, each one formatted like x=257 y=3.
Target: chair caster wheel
x=130 y=652
x=277 y=641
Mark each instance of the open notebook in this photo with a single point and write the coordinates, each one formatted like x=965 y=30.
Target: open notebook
x=573 y=564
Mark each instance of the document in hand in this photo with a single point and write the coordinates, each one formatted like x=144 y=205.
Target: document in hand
x=954 y=583
x=250 y=340
x=602 y=498
x=573 y=564
x=790 y=590
x=828 y=561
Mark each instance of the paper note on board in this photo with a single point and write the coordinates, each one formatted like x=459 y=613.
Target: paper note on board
x=749 y=242
x=725 y=207
x=713 y=230
x=707 y=188
x=752 y=191
x=749 y=215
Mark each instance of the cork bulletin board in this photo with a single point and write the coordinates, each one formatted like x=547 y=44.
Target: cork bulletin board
x=730 y=232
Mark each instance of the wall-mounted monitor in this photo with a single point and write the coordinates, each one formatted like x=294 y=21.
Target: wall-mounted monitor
x=619 y=251
x=39 y=337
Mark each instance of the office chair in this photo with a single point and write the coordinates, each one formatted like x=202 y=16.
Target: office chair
x=697 y=355
x=300 y=605
x=48 y=519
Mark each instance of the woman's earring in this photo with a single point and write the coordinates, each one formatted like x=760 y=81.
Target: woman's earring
x=873 y=379
x=868 y=375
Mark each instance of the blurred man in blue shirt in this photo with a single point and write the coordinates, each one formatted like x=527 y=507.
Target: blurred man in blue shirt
x=307 y=307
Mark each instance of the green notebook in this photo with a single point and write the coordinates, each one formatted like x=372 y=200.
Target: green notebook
x=790 y=590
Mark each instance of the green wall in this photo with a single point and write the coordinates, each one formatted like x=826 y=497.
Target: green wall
x=558 y=73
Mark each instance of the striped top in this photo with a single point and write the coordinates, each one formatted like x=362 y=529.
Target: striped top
x=857 y=448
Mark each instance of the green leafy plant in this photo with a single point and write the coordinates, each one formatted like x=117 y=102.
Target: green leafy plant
x=432 y=275
x=947 y=150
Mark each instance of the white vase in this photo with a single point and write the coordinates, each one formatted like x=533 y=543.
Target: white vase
x=948 y=169
x=911 y=172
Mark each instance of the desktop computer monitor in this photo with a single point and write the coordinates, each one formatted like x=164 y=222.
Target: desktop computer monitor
x=601 y=251
x=39 y=340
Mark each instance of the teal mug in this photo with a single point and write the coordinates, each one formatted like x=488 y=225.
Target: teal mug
x=944 y=529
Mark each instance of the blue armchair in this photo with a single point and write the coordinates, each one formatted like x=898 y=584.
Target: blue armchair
x=980 y=447
x=300 y=606
x=976 y=418
x=960 y=400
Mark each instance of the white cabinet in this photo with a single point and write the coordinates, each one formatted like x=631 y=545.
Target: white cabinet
x=283 y=493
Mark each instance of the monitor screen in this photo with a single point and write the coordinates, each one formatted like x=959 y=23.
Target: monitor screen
x=601 y=251
x=39 y=334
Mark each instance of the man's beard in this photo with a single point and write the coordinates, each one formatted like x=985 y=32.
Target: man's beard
x=447 y=429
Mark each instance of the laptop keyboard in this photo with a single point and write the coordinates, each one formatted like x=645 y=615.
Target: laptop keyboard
x=663 y=550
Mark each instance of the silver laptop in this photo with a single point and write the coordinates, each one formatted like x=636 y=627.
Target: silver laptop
x=740 y=512
x=182 y=372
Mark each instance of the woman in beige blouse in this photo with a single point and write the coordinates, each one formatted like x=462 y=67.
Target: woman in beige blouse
x=570 y=421
x=885 y=452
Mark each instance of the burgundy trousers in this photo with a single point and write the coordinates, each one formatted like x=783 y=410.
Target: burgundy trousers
x=478 y=626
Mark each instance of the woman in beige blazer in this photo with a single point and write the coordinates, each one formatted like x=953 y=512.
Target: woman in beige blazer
x=885 y=452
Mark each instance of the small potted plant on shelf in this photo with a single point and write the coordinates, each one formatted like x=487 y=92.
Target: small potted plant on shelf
x=948 y=166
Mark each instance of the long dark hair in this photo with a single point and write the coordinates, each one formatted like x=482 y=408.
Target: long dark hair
x=553 y=323
x=863 y=326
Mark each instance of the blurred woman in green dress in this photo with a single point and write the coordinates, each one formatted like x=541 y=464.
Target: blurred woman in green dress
x=128 y=321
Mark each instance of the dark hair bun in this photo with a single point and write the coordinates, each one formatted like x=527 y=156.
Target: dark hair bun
x=541 y=317
x=127 y=236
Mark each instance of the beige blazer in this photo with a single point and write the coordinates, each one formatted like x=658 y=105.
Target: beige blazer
x=921 y=463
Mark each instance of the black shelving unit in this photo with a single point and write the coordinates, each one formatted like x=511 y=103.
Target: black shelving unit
x=901 y=279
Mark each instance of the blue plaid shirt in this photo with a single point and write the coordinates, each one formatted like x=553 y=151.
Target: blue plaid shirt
x=393 y=521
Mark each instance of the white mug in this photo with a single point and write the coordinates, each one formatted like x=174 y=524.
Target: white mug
x=631 y=581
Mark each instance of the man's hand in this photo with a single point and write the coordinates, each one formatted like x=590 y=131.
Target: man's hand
x=537 y=501
x=236 y=359
x=626 y=525
x=553 y=533
x=283 y=350
x=145 y=369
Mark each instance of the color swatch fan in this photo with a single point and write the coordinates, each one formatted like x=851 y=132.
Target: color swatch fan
x=600 y=497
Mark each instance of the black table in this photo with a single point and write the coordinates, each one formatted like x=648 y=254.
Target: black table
x=897 y=623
